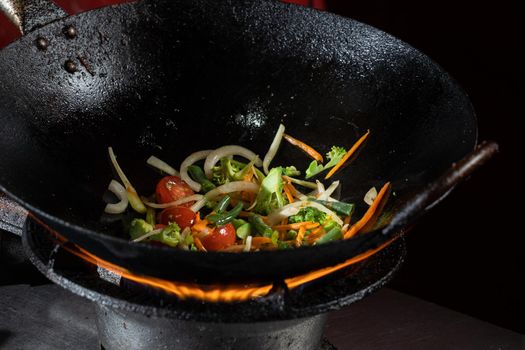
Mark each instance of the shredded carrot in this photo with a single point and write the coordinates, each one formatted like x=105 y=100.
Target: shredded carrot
x=352 y=231
x=347 y=220
x=308 y=225
x=257 y=242
x=200 y=226
x=316 y=234
x=304 y=147
x=347 y=155
x=198 y=244
x=300 y=236
x=288 y=193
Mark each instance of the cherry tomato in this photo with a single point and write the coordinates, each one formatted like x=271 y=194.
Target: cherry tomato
x=171 y=188
x=182 y=216
x=222 y=237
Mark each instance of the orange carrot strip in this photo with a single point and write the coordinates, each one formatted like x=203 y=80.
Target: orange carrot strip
x=288 y=193
x=300 y=236
x=308 y=225
x=304 y=147
x=346 y=220
x=316 y=234
x=347 y=155
x=198 y=244
x=202 y=225
x=352 y=231
x=257 y=242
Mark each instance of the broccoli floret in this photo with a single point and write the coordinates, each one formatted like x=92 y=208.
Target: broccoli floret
x=170 y=235
x=139 y=228
x=270 y=194
x=313 y=169
x=308 y=214
x=335 y=155
x=291 y=171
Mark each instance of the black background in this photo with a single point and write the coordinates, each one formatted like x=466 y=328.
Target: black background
x=466 y=253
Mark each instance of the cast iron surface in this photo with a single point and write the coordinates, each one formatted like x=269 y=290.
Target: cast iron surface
x=326 y=294
x=172 y=77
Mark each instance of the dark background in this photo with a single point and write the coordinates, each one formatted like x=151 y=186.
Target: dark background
x=466 y=254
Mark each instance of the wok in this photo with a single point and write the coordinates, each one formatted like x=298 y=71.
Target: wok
x=172 y=77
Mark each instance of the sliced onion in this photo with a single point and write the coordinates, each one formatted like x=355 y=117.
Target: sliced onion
x=274 y=147
x=194 y=197
x=303 y=183
x=133 y=197
x=370 y=196
x=320 y=187
x=149 y=234
x=252 y=206
x=226 y=151
x=234 y=186
x=293 y=208
x=162 y=166
x=328 y=192
x=248 y=244
x=190 y=160
x=199 y=204
x=119 y=191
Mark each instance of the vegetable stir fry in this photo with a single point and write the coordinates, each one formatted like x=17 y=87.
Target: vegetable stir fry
x=230 y=200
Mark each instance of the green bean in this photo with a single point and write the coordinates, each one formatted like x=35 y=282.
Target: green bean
x=197 y=174
x=222 y=204
x=260 y=226
x=224 y=218
x=340 y=208
x=332 y=235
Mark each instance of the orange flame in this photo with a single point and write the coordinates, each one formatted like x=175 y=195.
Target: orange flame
x=210 y=293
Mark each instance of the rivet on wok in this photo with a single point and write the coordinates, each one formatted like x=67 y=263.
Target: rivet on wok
x=70 y=32
x=70 y=66
x=42 y=43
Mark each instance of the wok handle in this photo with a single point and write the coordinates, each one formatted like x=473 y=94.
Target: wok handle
x=28 y=15
x=415 y=207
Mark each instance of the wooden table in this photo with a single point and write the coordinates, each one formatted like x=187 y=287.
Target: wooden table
x=49 y=317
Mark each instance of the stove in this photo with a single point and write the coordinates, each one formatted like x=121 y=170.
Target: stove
x=138 y=316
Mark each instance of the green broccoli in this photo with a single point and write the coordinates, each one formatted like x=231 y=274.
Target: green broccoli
x=308 y=214
x=170 y=235
x=270 y=194
x=139 y=227
x=333 y=156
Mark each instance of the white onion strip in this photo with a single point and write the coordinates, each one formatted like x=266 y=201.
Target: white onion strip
x=293 y=208
x=248 y=244
x=194 y=197
x=133 y=197
x=303 y=183
x=226 y=151
x=320 y=187
x=162 y=166
x=191 y=159
x=149 y=234
x=328 y=192
x=234 y=186
x=119 y=191
x=274 y=147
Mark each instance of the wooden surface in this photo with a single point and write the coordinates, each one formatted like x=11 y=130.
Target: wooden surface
x=48 y=317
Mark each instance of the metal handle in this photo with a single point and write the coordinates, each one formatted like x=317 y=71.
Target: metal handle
x=415 y=207
x=29 y=15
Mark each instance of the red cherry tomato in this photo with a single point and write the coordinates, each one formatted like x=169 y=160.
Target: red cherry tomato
x=182 y=216
x=222 y=237
x=172 y=188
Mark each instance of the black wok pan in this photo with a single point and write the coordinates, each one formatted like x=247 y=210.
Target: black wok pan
x=173 y=77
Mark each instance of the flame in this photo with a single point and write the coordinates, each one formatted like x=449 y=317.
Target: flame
x=208 y=293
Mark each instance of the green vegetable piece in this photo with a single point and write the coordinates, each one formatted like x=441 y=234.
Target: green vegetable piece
x=291 y=234
x=283 y=245
x=308 y=214
x=222 y=204
x=334 y=155
x=313 y=169
x=238 y=223
x=170 y=235
x=290 y=171
x=139 y=227
x=332 y=235
x=150 y=216
x=260 y=226
x=224 y=218
x=197 y=174
x=244 y=231
x=218 y=177
x=238 y=176
x=270 y=194
x=341 y=208
x=329 y=225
